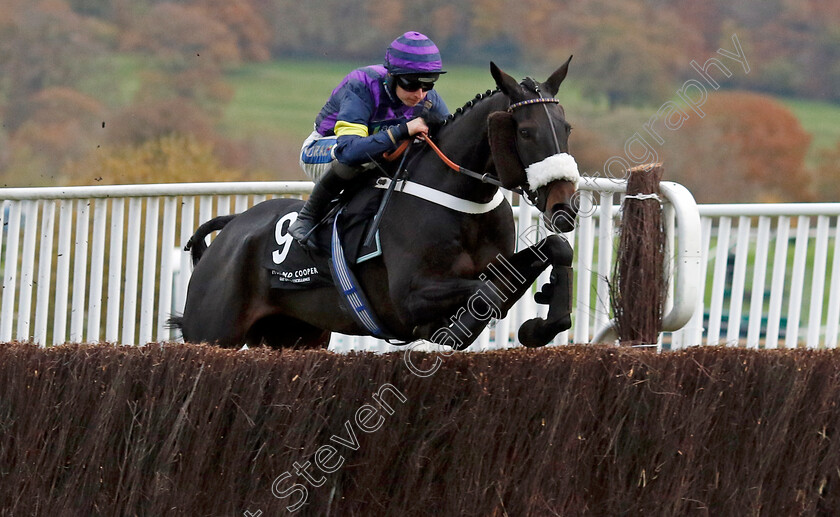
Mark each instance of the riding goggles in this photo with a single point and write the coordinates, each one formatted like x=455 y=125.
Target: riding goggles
x=412 y=83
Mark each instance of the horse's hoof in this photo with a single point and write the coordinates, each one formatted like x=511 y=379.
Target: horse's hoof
x=538 y=332
x=532 y=335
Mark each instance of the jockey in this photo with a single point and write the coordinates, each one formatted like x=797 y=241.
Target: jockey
x=368 y=114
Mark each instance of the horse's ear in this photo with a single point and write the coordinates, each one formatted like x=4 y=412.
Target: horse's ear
x=501 y=128
x=553 y=82
x=506 y=83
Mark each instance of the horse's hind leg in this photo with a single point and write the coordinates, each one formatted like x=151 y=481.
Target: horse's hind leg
x=220 y=329
x=277 y=331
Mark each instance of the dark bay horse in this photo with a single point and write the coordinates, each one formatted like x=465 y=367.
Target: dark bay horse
x=447 y=267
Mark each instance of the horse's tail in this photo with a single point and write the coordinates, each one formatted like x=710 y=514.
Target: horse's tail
x=175 y=322
x=196 y=245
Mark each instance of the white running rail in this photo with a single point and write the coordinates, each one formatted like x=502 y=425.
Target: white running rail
x=62 y=266
x=104 y=263
x=771 y=276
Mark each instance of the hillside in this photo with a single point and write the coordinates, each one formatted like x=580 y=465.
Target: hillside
x=283 y=97
x=278 y=101
x=112 y=91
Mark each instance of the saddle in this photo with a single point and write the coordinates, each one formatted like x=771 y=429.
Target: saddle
x=298 y=268
x=340 y=241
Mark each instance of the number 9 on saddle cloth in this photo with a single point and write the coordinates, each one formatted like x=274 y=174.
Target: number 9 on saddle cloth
x=293 y=267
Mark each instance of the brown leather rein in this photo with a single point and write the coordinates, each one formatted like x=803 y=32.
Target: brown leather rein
x=484 y=178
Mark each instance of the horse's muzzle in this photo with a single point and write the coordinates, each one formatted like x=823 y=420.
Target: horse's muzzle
x=561 y=218
x=560 y=211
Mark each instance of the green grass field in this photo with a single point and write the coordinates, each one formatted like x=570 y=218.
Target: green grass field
x=821 y=119
x=283 y=97
x=279 y=97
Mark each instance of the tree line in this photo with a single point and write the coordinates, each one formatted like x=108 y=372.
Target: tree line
x=794 y=43
x=55 y=53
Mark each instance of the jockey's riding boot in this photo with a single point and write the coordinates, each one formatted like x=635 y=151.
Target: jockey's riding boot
x=328 y=188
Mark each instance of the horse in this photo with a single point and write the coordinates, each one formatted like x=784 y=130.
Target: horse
x=448 y=264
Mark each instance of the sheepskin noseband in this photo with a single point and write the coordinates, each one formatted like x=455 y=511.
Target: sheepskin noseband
x=558 y=167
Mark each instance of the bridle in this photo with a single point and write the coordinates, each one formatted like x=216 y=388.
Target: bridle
x=532 y=197
x=537 y=198
x=540 y=100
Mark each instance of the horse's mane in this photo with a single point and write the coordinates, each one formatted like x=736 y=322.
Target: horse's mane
x=470 y=103
x=528 y=83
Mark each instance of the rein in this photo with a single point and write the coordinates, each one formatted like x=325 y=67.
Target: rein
x=484 y=178
x=487 y=177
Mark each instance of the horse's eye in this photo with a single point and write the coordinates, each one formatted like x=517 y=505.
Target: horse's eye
x=524 y=133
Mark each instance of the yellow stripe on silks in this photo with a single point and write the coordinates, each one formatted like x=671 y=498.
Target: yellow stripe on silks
x=348 y=128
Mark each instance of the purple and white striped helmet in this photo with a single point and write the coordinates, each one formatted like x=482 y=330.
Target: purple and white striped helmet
x=413 y=53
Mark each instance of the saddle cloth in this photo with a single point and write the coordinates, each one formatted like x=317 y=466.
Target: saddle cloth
x=293 y=267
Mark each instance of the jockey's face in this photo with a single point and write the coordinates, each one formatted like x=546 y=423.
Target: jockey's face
x=411 y=99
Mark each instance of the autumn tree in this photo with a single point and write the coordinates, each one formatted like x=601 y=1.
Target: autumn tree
x=191 y=51
x=183 y=93
x=338 y=29
x=705 y=19
x=154 y=118
x=62 y=125
x=333 y=30
x=168 y=159
x=43 y=44
x=630 y=54
x=244 y=22
x=747 y=148
x=591 y=149
x=49 y=55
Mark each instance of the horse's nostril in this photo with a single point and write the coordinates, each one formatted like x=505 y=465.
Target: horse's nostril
x=563 y=217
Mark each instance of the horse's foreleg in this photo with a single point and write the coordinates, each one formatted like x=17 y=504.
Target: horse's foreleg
x=522 y=270
x=557 y=294
x=504 y=282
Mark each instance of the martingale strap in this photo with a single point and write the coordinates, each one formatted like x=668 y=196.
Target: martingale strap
x=442 y=198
